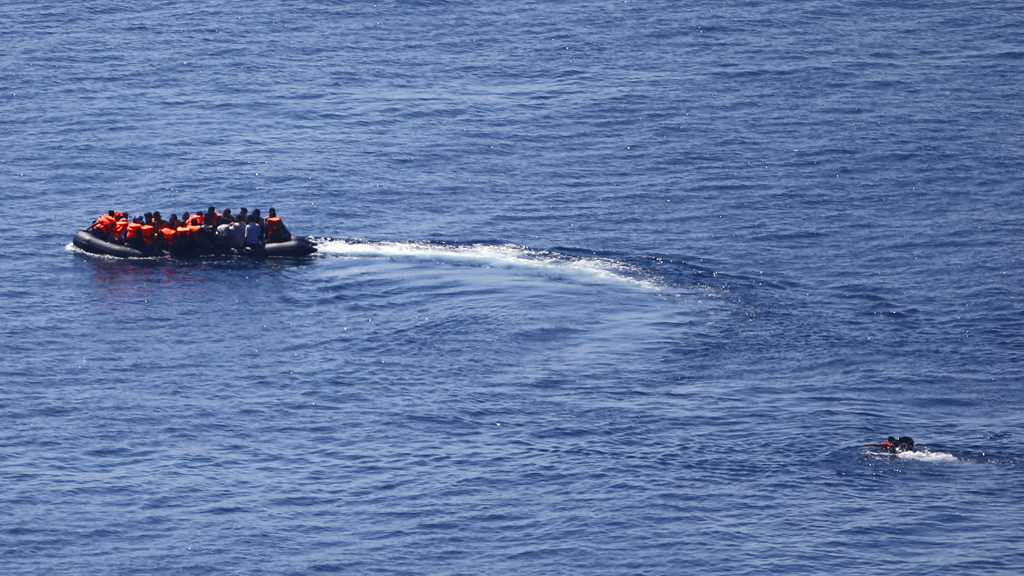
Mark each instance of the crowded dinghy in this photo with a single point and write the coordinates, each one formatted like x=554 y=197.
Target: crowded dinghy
x=193 y=235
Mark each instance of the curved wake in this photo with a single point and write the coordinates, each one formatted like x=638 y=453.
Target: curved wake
x=550 y=263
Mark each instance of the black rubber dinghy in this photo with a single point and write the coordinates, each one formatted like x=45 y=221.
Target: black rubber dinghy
x=295 y=247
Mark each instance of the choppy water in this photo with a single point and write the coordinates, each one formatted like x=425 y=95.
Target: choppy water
x=603 y=288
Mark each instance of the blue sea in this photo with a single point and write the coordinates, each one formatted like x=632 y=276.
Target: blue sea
x=603 y=287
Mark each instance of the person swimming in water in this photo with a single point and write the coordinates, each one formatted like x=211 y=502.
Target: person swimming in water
x=894 y=445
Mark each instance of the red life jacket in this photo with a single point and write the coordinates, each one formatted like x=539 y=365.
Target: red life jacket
x=132 y=231
x=147 y=233
x=168 y=234
x=274 y=225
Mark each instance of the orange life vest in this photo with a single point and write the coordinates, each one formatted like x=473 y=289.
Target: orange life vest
x=105 y=223
x=120 y=227
x=147 y=233
x=132 y=231
x=168 y=234
x=274 y=225
x=183 y=232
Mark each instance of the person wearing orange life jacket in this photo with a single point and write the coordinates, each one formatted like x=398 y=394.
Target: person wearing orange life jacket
x=276 y=232
x=211 y=218
x=104 y=225
x=150 y=239
x=120 y=227
x=132 y=234
x=183 y=236
x=195 y=225
x=168 y=230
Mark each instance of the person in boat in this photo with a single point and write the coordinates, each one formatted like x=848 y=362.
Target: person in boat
x=243 y=215
x=238 y=234
x=224 y=231
x=208 y=229
x=182 y=235
x=259 y=222
x=276 y=232
x=151 y=239
x=893 y=445
x=132 y=233
x=195 y=231
x=168 y=230
x=253 y=232
x=104 y=225
x=117 y=235
x=211 y=218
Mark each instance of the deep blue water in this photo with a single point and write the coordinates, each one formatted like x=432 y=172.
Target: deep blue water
x=604 y=288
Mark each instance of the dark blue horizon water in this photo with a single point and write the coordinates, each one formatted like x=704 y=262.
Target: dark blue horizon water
x=603 y=288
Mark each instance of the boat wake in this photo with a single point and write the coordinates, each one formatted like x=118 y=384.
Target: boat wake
x=927 y=456
x=594 y=268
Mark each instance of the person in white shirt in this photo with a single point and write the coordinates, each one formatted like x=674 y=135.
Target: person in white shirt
x=252 y=232
x=238 y=234
x=224 y=232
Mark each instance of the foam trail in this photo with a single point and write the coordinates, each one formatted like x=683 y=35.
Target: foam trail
x=927 y=456
x=494 y=255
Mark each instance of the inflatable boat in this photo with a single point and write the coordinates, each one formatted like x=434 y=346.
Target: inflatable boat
x=87 y=241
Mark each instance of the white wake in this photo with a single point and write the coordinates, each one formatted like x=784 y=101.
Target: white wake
x=597 y=268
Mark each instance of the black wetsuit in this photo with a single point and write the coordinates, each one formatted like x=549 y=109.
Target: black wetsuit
x=901 y=444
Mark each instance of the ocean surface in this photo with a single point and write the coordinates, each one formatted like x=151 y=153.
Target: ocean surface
x=603 y=287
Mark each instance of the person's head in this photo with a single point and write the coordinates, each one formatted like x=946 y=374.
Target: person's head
x=184 y=216
x=272 y=212
x=138 y=219
x=110 y=213
x=243 y=210
x=174 y=219
x=156 y=215
x=122 y=216
x=149 y=217
x=250 y=218
x=256 y=212
x=891 y=439
x=227 y=212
